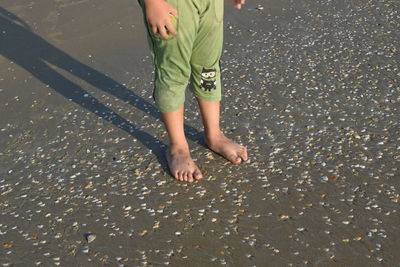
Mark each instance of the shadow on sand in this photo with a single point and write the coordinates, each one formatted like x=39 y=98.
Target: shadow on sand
x=21 y=46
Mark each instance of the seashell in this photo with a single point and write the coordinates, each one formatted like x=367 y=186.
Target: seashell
x=90 y=237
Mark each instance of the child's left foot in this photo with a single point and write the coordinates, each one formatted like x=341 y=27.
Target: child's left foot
x=230 y=150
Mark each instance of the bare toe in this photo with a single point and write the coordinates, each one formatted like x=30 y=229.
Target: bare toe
x=230 y=150
x=243 y=154
x=197 y=175
x=191 y=176
x=234 y=159
x=181 y=164
x=180 y=176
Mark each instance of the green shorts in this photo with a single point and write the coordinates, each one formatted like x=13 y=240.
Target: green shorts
x=190 y=57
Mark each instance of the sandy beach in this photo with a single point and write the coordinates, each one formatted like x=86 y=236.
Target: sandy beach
x=312 y=88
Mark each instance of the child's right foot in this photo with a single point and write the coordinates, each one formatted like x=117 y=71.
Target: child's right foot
x=181 y=164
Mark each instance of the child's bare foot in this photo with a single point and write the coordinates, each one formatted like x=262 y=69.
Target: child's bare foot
x=230 y=150
x=181 y=164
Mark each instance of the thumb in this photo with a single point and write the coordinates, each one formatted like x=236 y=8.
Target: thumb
x=174 y=12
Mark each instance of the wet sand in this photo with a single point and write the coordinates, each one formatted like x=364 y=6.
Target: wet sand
x=310 y=87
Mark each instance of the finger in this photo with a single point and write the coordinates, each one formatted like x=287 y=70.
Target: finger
x=163 y=32
x=240 y=3
x=170 y=28
x=154 y=29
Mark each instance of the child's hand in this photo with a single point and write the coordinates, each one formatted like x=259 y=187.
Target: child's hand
x=157 y=16
x=238 y=3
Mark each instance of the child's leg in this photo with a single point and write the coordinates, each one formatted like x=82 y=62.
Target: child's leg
x=172 y=73
x=215 y=139
x=179 y=160
x=206 y=81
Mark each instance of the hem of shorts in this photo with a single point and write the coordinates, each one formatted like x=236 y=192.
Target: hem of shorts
x=169 y=110
x=208 y=99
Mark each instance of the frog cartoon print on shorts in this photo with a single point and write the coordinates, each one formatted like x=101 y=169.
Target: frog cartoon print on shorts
x=208 y=79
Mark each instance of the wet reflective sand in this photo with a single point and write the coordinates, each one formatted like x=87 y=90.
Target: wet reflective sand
x=310 y=87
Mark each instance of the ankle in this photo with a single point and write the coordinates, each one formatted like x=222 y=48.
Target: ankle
x=178 y=146
x=212 y=137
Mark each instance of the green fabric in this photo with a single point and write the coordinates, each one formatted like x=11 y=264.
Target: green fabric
x=192 y=56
